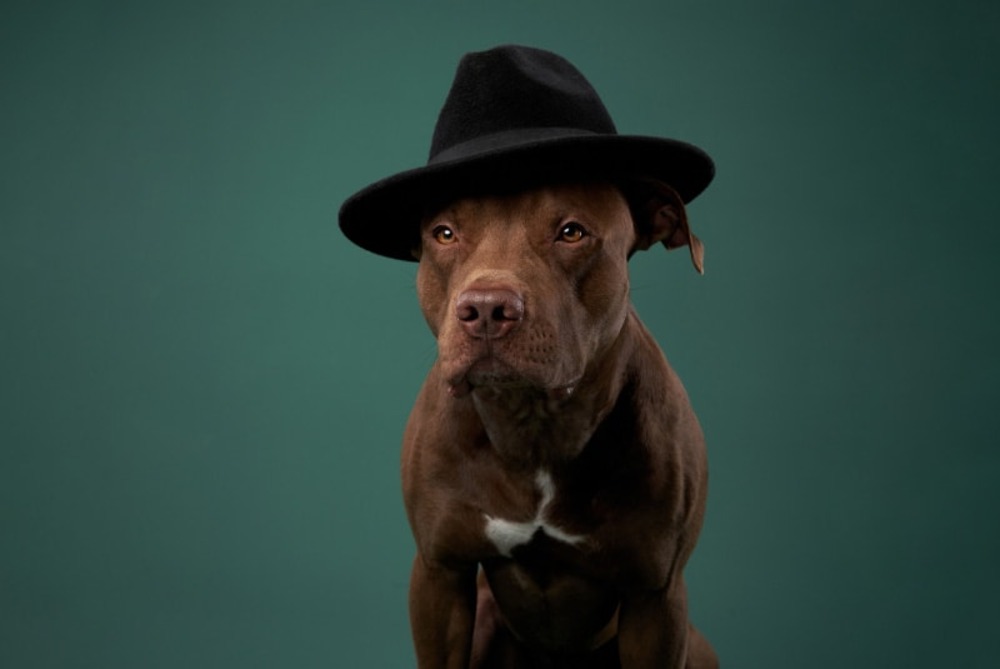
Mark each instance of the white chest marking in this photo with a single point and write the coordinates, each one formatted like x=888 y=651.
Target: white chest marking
x=506 y=535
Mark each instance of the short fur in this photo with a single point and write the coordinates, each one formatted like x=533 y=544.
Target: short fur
x=544 y=370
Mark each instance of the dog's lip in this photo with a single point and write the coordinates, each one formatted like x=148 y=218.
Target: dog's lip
x=463 y=388
x=496 y=375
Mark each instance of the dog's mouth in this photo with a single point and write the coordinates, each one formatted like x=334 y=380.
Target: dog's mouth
x=485 y=372
x=528 y=359
x=490 y=373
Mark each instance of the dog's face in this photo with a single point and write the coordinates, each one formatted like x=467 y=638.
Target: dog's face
x=525 y=290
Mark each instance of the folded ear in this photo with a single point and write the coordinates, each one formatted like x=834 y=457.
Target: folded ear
x=659 y=216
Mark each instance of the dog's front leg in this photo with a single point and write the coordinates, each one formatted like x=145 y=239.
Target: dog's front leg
x=653 y=628
x=442 y=614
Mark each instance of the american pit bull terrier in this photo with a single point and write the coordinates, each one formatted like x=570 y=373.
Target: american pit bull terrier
x=554 y=473
x=551 y=444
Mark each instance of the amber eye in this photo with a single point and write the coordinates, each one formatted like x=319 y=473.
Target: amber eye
x=572 y=233
x=443 y=234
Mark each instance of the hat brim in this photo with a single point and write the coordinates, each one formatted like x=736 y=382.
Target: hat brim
x=384 y=218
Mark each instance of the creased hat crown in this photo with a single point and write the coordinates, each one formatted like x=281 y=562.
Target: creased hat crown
x=515 y=89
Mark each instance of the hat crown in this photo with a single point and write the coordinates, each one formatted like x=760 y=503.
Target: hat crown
x=516 y=88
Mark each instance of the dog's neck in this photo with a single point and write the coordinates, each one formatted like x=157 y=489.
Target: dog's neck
x=531 y=427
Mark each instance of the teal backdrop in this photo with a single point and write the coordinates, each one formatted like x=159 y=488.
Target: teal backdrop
x=203 y=385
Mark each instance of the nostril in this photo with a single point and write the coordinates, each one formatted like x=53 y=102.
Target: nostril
x=467 y=313
x=511 y=308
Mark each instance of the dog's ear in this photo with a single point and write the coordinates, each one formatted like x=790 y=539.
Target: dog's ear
x=659 y=216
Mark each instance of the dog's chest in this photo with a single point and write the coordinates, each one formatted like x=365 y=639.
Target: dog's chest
x=506 y=534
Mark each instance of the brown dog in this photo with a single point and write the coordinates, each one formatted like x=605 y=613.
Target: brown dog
x=552 y=454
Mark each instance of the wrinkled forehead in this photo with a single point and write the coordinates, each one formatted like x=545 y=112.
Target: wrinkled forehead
x=595 y=200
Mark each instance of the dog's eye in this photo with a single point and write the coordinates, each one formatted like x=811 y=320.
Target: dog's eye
x=572 y=233
x=443 y=234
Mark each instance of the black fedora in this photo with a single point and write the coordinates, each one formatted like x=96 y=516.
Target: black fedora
x=514 y=115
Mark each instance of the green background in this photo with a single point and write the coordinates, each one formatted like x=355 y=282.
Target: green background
x=203 y=385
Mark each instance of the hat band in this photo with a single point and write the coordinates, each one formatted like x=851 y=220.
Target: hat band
x=508 y=139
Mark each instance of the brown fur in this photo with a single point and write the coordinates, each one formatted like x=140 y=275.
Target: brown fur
x=567 y=381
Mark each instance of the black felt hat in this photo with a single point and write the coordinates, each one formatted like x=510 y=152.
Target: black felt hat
x=515 y=115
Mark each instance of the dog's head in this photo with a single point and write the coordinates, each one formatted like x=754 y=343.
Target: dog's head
x=527 y=289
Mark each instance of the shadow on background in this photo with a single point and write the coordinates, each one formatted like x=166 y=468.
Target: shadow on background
x=203 y=386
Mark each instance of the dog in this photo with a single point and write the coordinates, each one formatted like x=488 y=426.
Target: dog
x=554 y=473
x=551 y=446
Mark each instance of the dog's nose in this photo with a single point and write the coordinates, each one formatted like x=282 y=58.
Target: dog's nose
x=489 y=314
